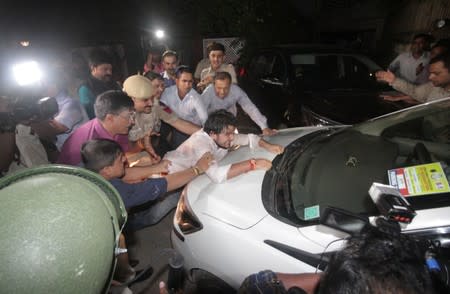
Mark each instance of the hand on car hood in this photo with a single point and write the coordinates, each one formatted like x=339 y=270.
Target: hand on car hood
x=237 y=201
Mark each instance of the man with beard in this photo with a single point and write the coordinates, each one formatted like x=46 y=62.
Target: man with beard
x=99 y=81
x=169 y=62
x=149 y=116
x=217 y=137
x=437 y=88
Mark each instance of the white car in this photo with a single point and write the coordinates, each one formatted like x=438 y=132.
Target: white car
x=268 y=220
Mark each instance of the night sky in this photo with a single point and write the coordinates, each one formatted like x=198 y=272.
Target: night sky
x=65 y=20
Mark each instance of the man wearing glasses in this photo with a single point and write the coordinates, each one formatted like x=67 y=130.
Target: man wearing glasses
x=114 y=111
x=114 y=115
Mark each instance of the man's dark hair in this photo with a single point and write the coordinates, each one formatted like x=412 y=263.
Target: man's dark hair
x=99 y=153
x=222 y=75
x=183 y=69
x=377 y=262
x=112 y=102
x=214 y=46
x=153 y=76
x=170 y=53
x=428 y=38
x=218 y=121
x=442 y=43
x=99 y=56
x=444 y=58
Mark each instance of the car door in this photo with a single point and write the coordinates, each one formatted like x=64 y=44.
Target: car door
x=266 y=83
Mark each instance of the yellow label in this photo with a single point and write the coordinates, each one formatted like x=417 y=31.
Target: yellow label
x=419 y=179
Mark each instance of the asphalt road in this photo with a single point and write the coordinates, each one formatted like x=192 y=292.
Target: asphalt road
x=149 y=247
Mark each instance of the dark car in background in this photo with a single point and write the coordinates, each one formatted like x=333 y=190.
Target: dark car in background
x=297 y=85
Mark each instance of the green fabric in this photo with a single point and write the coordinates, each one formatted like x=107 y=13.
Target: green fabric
x=87 y=99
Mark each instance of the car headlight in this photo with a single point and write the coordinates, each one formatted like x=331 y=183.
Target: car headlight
x=185 y=218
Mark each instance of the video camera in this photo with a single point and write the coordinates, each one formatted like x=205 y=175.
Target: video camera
x=22 y=97
x=27 y=109
x=396 y=212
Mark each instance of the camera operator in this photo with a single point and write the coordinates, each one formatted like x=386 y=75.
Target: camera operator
x=20 y=112
x=71 y=114
x=23 y=146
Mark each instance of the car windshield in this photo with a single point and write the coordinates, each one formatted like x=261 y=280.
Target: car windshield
x=334 y=70
x=337 y=167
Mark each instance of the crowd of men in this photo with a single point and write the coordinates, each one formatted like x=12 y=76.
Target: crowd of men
x=148 y=137
x=156 y=132
x=421 y=75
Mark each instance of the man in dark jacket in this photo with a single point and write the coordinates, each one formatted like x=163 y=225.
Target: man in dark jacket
x=99 y=81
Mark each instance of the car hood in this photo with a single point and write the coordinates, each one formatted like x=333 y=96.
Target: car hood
x=237 y=201
x=349 y=106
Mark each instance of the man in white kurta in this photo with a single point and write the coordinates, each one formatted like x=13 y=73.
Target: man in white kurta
x=217 y=137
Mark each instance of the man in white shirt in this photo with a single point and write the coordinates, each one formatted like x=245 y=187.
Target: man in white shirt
x=71 y=114
x=222 y=94
x=185 y=102
x=437 y=88
x=216 y=55
x=413 y=66
x=183 y=99
x=217 y=137
x=169 y=62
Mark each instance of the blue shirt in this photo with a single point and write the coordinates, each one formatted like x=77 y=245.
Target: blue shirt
x=168 y=81
x=139 y=193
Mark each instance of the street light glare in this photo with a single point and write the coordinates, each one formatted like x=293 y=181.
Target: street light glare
x=159 y=34
x=24 y=43
x=27 y=73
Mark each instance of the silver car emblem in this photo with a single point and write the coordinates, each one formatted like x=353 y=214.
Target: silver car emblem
x=351 y=161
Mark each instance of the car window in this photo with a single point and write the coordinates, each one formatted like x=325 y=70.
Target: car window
x=354 y=67
x=260 y=66
x=317 y=69
x=357 y=74
x=278 y=70
x=268 y=66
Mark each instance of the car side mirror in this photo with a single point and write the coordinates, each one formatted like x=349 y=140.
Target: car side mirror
x=343 y=220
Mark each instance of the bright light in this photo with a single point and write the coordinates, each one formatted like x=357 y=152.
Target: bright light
x=27 y=73
x=24 y=43
x=159 y=34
